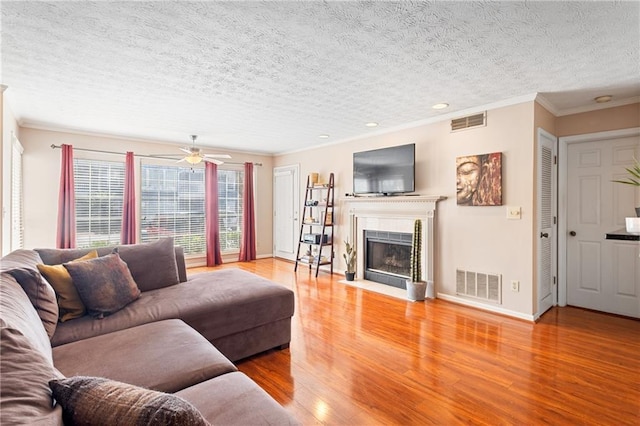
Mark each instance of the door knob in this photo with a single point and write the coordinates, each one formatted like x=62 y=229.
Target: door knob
x=572 y=233
x=544 y=235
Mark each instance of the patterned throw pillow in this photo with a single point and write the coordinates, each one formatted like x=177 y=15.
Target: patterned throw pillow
x=69 y=301
x=99 y=401
x=104 y=284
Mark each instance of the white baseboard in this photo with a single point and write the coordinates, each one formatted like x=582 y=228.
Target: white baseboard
x=485 y=307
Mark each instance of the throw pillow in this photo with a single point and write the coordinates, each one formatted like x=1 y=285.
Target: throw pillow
x=152 y=265
x=69 y=301
x=104 y=284
x=98 y=401
x=41 y=295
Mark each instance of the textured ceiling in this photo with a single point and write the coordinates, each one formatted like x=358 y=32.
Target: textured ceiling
x=272 y=76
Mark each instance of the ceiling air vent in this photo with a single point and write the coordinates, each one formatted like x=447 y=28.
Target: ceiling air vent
x=475 y=120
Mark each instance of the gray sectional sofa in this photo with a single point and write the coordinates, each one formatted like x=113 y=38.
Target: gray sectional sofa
x=178 y=337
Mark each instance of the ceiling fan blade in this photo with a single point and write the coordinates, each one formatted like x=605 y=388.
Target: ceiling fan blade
x=186 y=150
x=217 y=155
x=181 y=160
x=211 y=160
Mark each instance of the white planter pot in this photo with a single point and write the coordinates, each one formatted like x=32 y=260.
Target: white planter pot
x=416 y=290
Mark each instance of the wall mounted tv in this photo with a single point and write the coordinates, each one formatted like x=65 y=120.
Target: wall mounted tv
x=384 y=171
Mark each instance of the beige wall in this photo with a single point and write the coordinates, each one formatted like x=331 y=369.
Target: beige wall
x=543 y=119
x=42 y=174
x=622 y=117
x=474 y=238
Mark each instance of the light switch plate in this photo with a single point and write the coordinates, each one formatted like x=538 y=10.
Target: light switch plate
x=514 y=212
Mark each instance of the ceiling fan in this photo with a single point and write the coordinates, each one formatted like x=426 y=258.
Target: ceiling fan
x=195 y=155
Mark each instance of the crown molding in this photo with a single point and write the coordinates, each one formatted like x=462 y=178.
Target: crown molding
x=540 y=99
x=597 y=106
x=444 y=117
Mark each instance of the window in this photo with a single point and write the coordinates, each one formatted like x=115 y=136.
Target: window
x=230 y=190
x=172 y=204
x=17 y=211
x=99 y=189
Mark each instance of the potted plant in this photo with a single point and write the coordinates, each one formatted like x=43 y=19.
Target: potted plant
x=416 y=288
x=350 y=260
x=633 y=179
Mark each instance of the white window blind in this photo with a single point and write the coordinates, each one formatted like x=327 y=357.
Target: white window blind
x=172 y=204
x=17 y=209
x=230 y=208
x=99 y=190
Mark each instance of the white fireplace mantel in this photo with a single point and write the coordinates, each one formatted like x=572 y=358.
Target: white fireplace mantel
x=392 y=214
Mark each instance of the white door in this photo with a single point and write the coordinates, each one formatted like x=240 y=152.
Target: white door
x=286 y=193
x=546 y=232
x=601 y=274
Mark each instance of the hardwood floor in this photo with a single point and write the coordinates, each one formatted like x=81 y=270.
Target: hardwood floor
x=361 y=358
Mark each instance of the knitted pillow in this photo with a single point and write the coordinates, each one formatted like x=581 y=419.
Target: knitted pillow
x=98 y=401
x=104 y=284
x=69 y=301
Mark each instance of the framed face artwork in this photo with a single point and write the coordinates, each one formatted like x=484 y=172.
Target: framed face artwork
x=479 y=180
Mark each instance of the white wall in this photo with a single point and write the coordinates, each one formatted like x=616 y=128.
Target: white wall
x=479 y=239
x=42 y=175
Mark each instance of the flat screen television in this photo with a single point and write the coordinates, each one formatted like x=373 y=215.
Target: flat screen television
x=384 y=171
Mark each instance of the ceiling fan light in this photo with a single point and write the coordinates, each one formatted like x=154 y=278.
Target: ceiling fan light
x=193 y=159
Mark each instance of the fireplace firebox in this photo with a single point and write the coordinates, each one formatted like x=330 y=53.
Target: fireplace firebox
x=387 y=257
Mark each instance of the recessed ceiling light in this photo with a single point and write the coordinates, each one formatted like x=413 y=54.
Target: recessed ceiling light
x=323 y=136
x=440 y=106
x=371 y=124
x=603 y=99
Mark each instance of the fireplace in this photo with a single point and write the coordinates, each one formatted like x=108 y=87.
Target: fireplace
x=391 y=217
x=387 y=257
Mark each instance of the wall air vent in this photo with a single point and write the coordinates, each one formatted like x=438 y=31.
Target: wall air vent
x=475 y=120
x=487 y=287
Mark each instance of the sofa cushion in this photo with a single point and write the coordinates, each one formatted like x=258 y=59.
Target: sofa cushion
x=104 y=284
x=41 y=295
x=25 y=397
x=20 y=259
x=18 y=313
x=100 y=401
x=165 y=356
x=152 y=265
x=216 y=304
x=69 y=302
x=238 y=401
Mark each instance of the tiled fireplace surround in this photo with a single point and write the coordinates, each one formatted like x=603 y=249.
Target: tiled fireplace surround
x=393 y=214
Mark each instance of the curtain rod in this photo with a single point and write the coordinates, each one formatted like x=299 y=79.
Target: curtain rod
x=53 y=146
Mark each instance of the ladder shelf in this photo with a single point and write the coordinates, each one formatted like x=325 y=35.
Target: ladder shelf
x=317 y=215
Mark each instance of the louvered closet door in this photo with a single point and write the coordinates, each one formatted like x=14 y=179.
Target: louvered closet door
x=546 y=226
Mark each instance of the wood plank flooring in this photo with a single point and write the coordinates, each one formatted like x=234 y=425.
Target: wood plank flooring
x=361 y=358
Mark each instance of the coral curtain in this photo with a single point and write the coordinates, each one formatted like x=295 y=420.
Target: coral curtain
x=66 y=233
x=211 y=229
x=128 y=233
x=248 y=237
